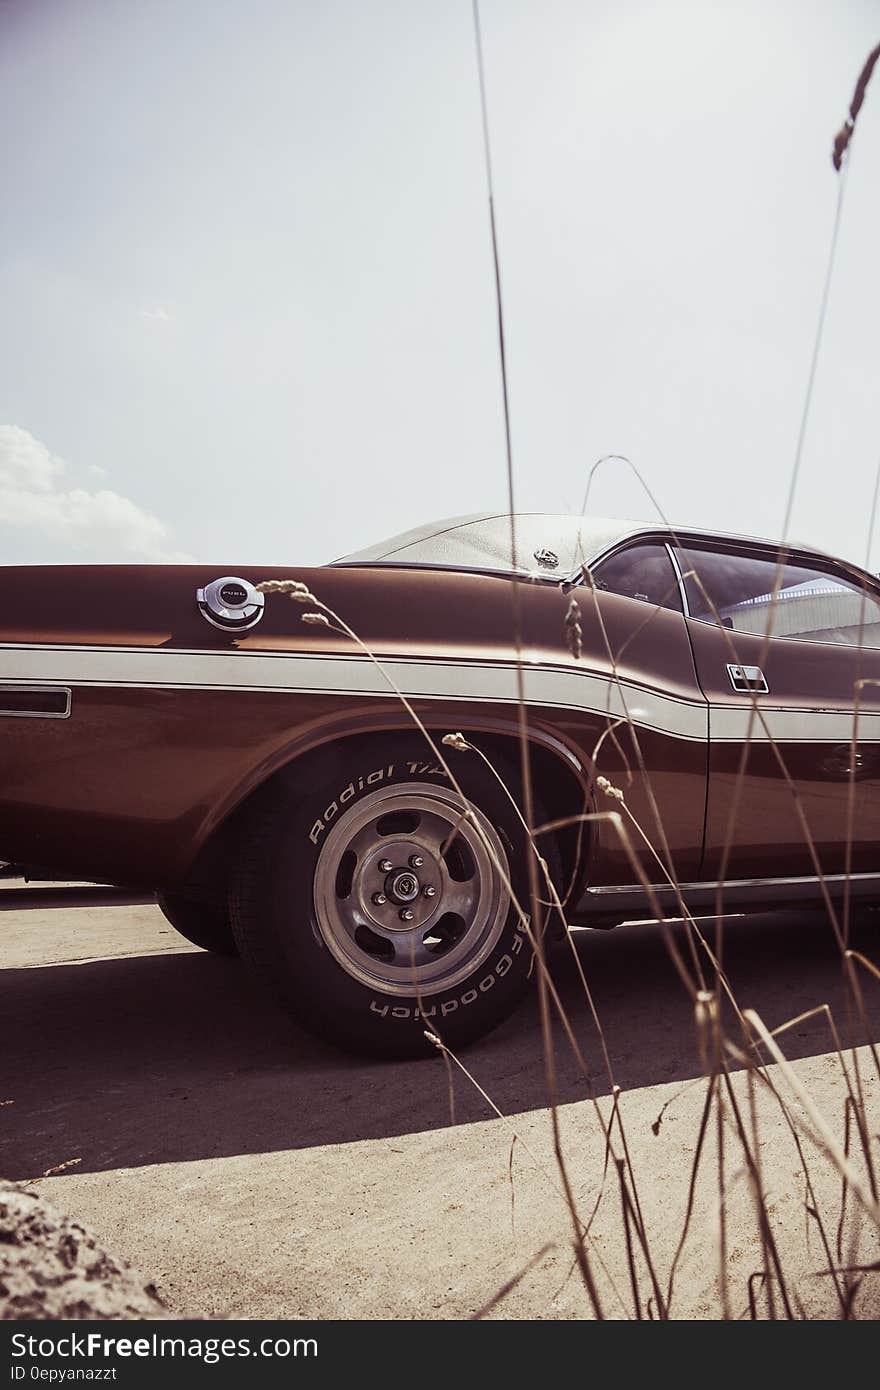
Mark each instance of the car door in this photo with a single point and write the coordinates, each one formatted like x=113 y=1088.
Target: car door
x=783 y=753
x=633 y=611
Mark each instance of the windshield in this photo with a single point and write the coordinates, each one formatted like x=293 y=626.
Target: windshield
x=547 y=546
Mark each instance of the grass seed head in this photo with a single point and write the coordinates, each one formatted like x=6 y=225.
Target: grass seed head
x=457 y=741
x=293 y=588
x=609 y=789
x=706 y=1018
x=573 y=630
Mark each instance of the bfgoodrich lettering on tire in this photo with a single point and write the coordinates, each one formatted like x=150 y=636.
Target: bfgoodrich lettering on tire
x=375 y=904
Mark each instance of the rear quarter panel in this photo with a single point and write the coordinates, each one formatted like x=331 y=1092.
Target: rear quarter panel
x=173 y=723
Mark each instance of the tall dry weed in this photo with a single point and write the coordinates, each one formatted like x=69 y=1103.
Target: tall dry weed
x=746 y=1077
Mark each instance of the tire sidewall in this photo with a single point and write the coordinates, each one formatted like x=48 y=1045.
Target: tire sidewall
x=330 y=1000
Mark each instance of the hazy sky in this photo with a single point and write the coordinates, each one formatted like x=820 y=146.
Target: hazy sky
x=246 y=297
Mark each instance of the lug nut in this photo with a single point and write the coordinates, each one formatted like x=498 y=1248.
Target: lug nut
x=385 y=866
x=429 y=892
x=379 y=899
x=406 y=915
x=416 y=861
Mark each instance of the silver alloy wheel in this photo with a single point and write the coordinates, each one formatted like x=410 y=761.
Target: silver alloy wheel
x=374 y=905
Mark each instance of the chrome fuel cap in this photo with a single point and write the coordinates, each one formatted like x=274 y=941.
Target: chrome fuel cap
x=231 y=604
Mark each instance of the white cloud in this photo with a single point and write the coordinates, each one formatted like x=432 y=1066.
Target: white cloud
x=25 y=463
x=156 y=315
x=101 y=525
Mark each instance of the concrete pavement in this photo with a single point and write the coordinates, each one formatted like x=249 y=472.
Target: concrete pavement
x=252 y=1171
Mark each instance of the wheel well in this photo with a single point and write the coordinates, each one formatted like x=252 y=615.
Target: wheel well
x=555 y=785
x=560 y=795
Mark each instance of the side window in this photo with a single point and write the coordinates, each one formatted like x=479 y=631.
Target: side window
x=643 y=572
x=812 y=605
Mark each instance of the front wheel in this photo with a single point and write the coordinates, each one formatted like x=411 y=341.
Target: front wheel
x=378 y=905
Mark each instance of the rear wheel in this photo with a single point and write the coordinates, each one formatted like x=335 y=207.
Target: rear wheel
x=377 y=905
x=204 y=923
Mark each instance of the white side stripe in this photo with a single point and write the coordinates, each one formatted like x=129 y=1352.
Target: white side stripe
x=731 y=725
x=481 y=682
x=282 y=672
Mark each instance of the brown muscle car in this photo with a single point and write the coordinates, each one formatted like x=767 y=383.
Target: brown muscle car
x=179 y=729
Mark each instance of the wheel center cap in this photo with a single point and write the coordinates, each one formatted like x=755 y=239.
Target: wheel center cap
x=402 y=886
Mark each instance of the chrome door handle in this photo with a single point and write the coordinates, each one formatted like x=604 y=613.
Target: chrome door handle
x=747 y=680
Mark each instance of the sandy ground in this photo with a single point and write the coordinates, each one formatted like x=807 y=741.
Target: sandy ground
x=251 y=1171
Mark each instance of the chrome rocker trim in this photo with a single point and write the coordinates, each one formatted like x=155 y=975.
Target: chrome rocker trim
x=603 y=899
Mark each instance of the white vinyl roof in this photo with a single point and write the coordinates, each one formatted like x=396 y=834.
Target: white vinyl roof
x=485 y=542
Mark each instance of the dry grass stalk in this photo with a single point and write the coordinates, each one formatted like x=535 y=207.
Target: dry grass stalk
x=635 y=1235
x=716 y=1049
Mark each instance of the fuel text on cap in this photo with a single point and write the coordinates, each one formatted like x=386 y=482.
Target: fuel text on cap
x=234 y=593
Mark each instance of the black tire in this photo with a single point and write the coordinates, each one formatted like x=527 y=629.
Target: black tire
x=306 y=928
x=204 y=923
